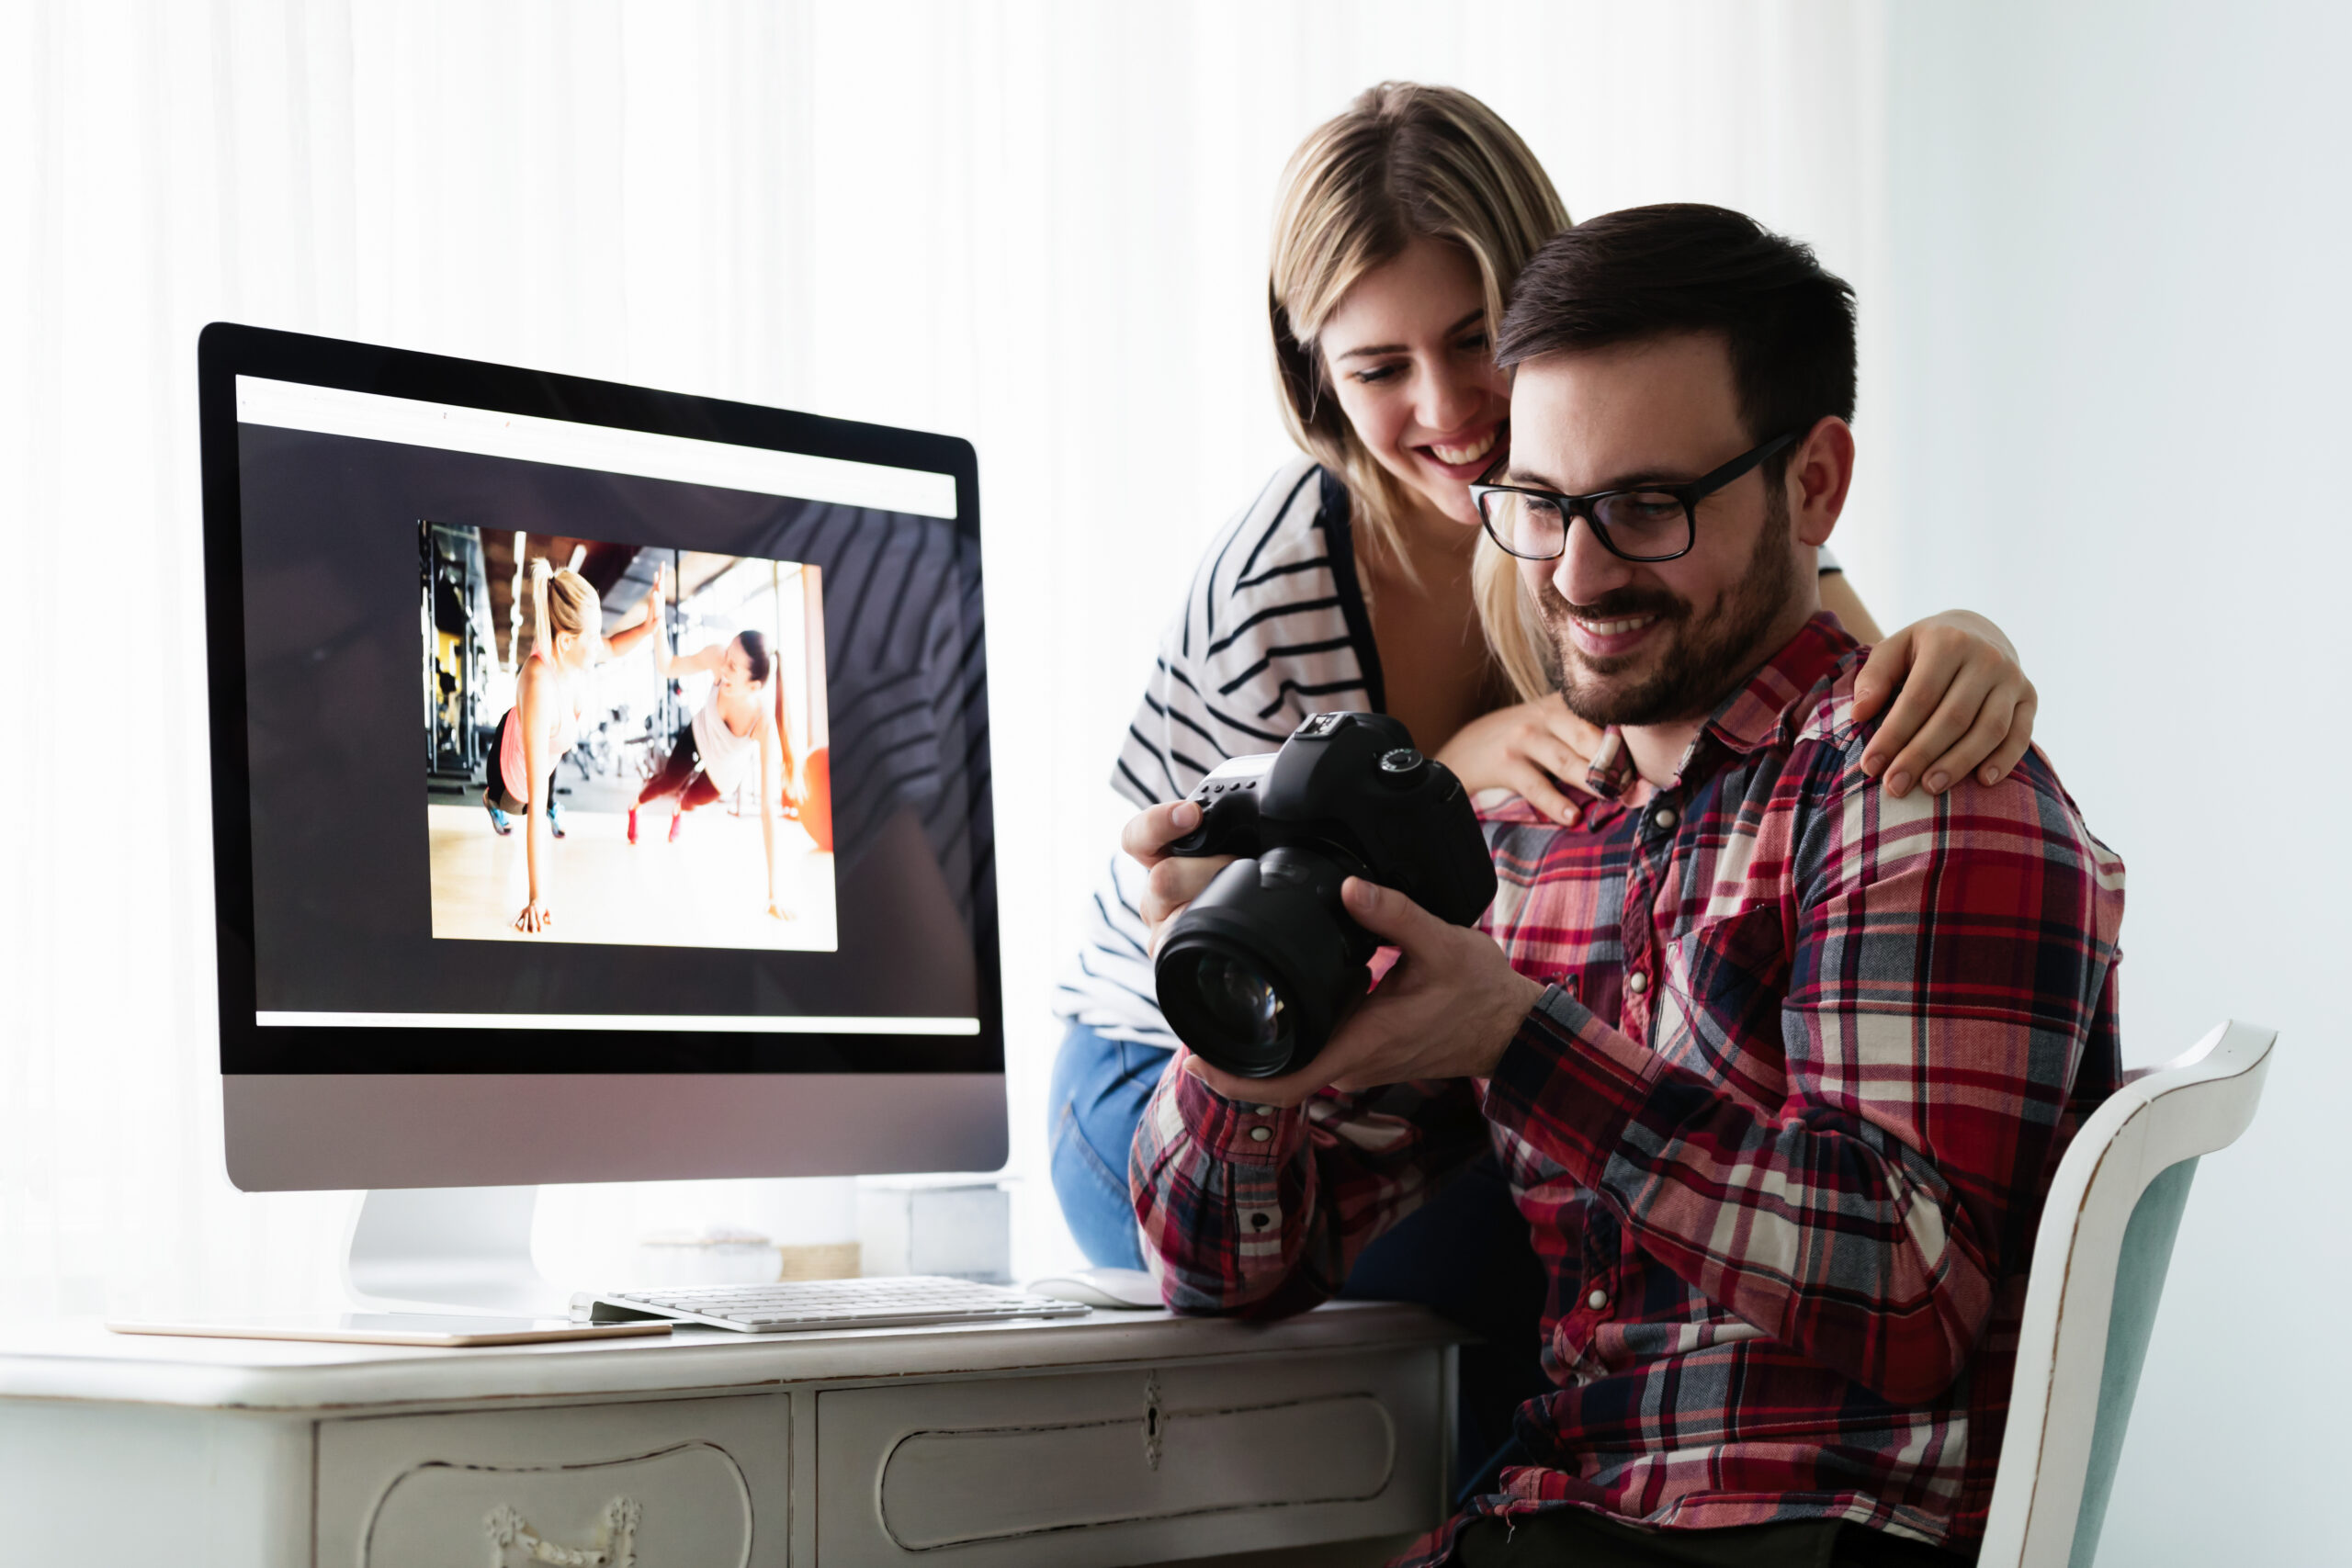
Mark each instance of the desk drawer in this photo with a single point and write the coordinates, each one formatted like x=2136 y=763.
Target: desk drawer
x=1131 y=1466
x=677 y=1483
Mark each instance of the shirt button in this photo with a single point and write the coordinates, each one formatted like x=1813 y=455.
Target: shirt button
x=1598 y=1300
x=1260 y=1135
x=1637 y=982
x=1261 y=1111
x=1663 y=818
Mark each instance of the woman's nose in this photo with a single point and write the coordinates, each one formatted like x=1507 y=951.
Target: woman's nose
x=1447 y=402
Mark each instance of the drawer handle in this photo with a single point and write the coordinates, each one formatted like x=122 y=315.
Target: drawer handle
x=616 y=1547
x=1152 y=1443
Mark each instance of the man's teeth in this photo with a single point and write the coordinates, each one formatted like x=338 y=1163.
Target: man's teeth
x=1453 y=457
x=1615 y=628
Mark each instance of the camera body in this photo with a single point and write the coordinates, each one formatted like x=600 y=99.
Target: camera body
x=1266 y=963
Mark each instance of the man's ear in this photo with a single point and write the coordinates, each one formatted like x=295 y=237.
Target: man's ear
x=1820 y=472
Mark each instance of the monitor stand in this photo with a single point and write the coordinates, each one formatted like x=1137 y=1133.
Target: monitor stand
x=442 y=1249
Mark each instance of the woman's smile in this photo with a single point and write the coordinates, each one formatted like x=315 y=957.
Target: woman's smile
x=1463 y=457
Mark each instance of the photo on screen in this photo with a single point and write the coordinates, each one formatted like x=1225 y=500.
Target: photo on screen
x=679 y=698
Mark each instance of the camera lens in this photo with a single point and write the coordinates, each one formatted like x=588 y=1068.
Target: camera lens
x=1242 y=1001
x=1255 y=976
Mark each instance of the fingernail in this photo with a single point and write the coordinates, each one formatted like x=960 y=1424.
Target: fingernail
x=1187 y=814
x=1898 y=784
x=1359 y=893
x=1937 y=783
x=1872 y=766
x=1991 y=775
x=1567 y=815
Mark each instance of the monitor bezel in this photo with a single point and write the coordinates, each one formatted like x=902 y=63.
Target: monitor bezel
x=228 y=350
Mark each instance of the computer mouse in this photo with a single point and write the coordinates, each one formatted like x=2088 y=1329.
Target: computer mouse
x=1128 y=1290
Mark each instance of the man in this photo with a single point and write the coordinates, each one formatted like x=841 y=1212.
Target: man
x=1780 y=1065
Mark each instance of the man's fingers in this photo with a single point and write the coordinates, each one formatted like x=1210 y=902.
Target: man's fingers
x=1384 y=911
x=1290 y=1088
x=1174 y=883
x=1147 y=834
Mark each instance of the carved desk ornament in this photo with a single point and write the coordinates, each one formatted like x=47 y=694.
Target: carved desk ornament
x=615 y=1540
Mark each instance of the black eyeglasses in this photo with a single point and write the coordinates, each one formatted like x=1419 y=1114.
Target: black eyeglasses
x=1653 y=523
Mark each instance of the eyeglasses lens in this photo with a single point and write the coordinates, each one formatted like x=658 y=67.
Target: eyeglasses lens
x=1645 y=525
x=1526 y=525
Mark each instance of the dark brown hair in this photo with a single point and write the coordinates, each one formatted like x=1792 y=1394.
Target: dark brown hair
x=1650 y=271
x=755 y=654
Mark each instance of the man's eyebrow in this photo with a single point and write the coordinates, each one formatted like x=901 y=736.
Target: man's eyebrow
x=1636 y=479
x=1373 y=351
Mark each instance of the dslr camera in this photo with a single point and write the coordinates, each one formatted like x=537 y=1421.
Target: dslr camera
x=1266 y=963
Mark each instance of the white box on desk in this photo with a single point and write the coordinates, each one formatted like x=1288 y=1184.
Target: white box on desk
x=963 y=1230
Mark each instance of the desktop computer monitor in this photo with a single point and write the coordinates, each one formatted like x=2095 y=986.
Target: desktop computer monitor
x=762 y=840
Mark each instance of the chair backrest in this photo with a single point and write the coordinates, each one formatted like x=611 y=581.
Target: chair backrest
x=2098 y=1270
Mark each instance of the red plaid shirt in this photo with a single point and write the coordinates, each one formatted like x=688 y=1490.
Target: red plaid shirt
x=1781 y=1126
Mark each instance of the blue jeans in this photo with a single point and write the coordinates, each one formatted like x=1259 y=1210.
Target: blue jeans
x=1465 y=1253
x=1099 y=1091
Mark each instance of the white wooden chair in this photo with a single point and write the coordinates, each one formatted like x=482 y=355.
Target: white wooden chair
x=2099 y=1270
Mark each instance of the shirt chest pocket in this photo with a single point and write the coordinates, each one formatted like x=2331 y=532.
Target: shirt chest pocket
x=1725 y=979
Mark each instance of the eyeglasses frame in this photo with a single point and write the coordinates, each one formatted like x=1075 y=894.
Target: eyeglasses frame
x=1575 y=506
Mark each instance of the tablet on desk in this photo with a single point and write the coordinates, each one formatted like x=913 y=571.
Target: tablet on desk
x=396 y=1329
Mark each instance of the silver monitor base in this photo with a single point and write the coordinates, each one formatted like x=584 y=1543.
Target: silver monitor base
x=445 y=1248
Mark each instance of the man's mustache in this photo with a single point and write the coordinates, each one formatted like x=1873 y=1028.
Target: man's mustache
x=1622 y=604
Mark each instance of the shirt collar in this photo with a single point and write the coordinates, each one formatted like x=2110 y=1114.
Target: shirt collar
x=1746 y=718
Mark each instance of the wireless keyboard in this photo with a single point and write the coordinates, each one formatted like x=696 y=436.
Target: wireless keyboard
x=799 y=1305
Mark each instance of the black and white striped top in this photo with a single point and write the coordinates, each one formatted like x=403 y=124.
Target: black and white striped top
x=1273 y=628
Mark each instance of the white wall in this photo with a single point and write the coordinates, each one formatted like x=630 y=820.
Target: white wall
x=2116 y=314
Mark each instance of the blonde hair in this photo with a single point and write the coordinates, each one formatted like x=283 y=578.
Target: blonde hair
x=562 y=600
x=1405 y=160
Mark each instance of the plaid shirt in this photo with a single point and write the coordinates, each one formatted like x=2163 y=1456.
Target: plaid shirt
x=1781 y=1125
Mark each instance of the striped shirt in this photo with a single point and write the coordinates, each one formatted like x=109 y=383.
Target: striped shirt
x=1273 y=628
x=1781 y=1125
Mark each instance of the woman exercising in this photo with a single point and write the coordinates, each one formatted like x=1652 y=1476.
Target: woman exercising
x=567 y=638
x=713 y=751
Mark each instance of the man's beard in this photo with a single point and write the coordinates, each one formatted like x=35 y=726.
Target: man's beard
x=1702 y=661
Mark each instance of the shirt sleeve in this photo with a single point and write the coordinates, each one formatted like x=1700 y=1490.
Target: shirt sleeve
x=1263 y=1210
x=1945 y=973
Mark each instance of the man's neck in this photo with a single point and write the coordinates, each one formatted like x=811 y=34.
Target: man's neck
x=1657 y=750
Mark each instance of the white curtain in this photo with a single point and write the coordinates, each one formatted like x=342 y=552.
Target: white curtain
x=1041 y=226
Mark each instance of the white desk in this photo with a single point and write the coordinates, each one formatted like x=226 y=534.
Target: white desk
x=1114 y=1439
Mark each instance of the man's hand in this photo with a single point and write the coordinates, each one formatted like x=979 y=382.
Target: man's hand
x=1176 y=880
x=1447 y=1009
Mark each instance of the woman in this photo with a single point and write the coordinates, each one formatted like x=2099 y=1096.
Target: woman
x=713 y=751
x=567 y=638
x=1356 y=578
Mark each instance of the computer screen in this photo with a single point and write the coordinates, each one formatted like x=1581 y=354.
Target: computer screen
x=742 y=652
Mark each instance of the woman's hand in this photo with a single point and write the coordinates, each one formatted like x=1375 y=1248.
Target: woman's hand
x=1176 y=880
x=1530 y=749
x=654 y=595
x=1965 y=704
x=536 y=916
x=776 y=911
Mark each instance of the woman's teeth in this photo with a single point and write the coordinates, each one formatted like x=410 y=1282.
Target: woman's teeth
x=1616 y=628
x=1454 y=457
